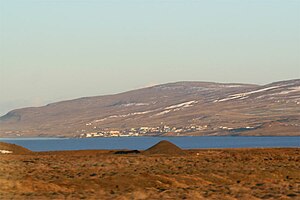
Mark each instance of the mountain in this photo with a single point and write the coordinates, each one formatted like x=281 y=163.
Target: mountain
x=181 y=108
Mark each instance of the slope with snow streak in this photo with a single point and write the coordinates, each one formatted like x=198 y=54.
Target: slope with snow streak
x=245 y=95
x=177 y=107
x=181 y=104
x=122 y=116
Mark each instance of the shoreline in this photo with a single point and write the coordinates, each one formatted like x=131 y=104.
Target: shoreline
x=159 y=136
x=142 y=143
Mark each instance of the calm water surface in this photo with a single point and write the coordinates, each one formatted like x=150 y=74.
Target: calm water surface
x=53 y=144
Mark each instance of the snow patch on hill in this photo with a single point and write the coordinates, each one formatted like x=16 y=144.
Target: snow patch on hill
x=290 y=90
x=163 y=112
x=177 y=107
x=121 y=116
x=184 y=105
x=231 y=86
x=245 y=95
x=135 y=104
x=5 y=151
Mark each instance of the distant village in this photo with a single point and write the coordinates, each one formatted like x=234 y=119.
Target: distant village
x=142 y=131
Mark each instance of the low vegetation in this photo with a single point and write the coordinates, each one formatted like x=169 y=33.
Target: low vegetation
x=153 y=174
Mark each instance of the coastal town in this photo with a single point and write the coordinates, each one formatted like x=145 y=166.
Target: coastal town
x=142 y=131
x=162 y=130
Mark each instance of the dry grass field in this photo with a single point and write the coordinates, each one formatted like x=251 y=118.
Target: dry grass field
x=155 y=174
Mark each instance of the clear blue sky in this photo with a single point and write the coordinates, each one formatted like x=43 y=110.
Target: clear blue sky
x=52 y=50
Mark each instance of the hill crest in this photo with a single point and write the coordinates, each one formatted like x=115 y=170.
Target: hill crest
x=198 y=108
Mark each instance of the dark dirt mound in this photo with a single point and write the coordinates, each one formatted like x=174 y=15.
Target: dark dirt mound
x=164 y=147
x=6 y=148
x=128 y=152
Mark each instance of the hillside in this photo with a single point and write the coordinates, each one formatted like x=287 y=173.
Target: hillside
x=7 y=148
x=182 y=108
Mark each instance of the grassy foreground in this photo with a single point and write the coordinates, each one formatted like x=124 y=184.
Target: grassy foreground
x=194 y=174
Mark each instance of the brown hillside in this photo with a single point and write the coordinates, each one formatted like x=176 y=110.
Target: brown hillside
x=6 y=148
x=164 y=147
x=214 y=108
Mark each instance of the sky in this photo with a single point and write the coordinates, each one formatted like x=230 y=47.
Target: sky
x=53 y=50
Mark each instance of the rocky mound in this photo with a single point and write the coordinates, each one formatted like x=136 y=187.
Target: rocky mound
x=164 y=147
x=6 y=148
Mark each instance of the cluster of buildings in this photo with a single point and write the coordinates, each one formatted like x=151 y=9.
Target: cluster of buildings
x=143 y=131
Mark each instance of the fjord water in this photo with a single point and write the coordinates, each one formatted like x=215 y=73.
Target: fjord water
x=141 y=143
